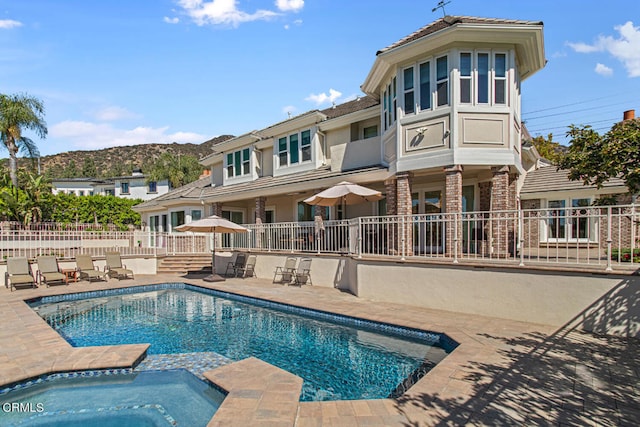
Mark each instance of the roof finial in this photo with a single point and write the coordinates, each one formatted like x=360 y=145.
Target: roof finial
x=441 y=4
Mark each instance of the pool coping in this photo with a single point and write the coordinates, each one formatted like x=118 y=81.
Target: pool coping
x=449 y=379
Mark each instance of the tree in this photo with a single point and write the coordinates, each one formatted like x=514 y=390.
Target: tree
x=548 y=149
x=71 y=170
x=89 y=168
x=18 y=113
x=595 y=159
x=179 y=170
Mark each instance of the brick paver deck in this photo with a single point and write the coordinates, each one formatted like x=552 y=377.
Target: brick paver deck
x=503 y=373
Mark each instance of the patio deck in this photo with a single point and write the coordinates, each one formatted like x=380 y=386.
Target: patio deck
x=503 y=373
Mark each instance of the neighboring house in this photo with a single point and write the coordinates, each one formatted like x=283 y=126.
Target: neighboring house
x=134 y=186
x=438 y=131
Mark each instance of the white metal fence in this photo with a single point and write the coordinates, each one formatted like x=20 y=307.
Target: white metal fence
x=601 y=236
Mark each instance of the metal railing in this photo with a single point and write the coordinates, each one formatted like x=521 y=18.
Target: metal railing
x=601 y=236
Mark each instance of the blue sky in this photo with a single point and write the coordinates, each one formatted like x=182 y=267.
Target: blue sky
x=147 y=71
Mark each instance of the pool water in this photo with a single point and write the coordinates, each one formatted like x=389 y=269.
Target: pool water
x=336 y=361
x=150 y=398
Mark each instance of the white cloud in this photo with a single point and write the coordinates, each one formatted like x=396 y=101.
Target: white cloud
x=89 y=136
x=323 y=98
x=9 y=23
x=173 y=20
x=221 y=12
x=290 y=5
x=113 y=113
x=603 y=70
x=625 y=48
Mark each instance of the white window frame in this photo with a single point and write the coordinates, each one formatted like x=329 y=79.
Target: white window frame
x=230 y=168
x=409 y=91
x=446 y=80
x=569 y=215
x=302 y=149
x=504 y=80
x=476 y=74
x=469 y=79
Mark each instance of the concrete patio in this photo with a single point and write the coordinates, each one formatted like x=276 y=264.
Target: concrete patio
x=503 y=373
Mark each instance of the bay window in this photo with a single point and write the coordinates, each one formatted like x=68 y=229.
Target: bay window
x=409 y=98
x=483 y=78
x=465 y=78
x=425 y=85
x=500 y=78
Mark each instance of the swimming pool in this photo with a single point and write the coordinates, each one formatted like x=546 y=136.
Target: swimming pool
x=339 y=358
x=105 y=398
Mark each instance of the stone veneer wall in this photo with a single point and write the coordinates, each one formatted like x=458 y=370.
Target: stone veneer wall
x=501 y=227
x=404 y=207
x=453 y=205
x=531 y=227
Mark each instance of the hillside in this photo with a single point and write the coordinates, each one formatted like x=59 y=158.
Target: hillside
x=115 y=161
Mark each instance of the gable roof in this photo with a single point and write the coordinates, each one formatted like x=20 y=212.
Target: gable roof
x=450 y=21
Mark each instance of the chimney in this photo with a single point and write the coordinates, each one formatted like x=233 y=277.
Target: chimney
x=205 y=172
x=629 y=115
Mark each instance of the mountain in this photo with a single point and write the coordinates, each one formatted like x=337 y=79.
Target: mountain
x=114 y=161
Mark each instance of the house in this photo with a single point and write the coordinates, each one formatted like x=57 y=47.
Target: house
x=439 y=130
x=134 y=186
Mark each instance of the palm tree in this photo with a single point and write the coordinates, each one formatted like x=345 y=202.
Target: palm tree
x=18 y=113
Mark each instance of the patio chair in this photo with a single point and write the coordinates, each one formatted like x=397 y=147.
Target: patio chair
x=235 y=266
x=86 y=269
x=115 y=268
x=49 y=271
x=18 y=274
x=249 y=269
x=303 y=272
x=285 y=272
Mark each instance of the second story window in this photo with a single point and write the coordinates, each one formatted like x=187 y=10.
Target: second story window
x=425 y=85
x=409 y=98
x=370 y=132
x=124 y=187
x=294 y=149
x=238 y=163
x=153 y=187
x=500 y=78
x=442 y=81
x=465 y=78
x=483 y=78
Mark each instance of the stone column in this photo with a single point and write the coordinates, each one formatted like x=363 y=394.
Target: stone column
x=261 y=217
x=404 y=209
x=216 y=208
x=453 y=209
x=500 y=222
x=390 y=244
x=390 y=189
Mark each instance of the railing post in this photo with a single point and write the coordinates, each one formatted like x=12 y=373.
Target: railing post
x=609 y=239
x=455 y=237
x=269 y=238
x=292 y=239
x=360 y=233
x=402 y=238
x=521 y=235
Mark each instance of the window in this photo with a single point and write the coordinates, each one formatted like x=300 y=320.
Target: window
x=109 y=192
x=196 y=214
x=500 y=78
x=306 y=146
x=152 y=187
x=370 y=132
x=124 y=187
x=409 y=98
x=294 y=148
x=465 y=78
x=238 y=163
x=308 y=212
x=91 y=192
x=570 y=224
x=394 y=103
x=483 y=78
x=80 y=192
x=442 y=81
x=177 y=218
x=282 y=151
x=425 y=85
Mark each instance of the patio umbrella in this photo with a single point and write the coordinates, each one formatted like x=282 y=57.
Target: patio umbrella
x=213 y=224
x=345 y=193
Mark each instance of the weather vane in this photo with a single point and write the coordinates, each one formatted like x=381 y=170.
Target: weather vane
x=441 y=4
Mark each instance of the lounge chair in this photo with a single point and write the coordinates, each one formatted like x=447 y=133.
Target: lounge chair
x=235 y=266
x=49 y=271
x=86 y=269
x=249 y=269
x=303 y=272
x=18 y=274
x=285 y=272
x=115 y=268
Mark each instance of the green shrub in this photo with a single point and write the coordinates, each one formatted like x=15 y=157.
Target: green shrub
x=624 y=254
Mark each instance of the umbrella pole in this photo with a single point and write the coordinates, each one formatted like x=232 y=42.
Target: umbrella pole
x=213 y=277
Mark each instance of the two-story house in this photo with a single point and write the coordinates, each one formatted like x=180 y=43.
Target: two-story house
x=439 y=130
x=134 y=186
